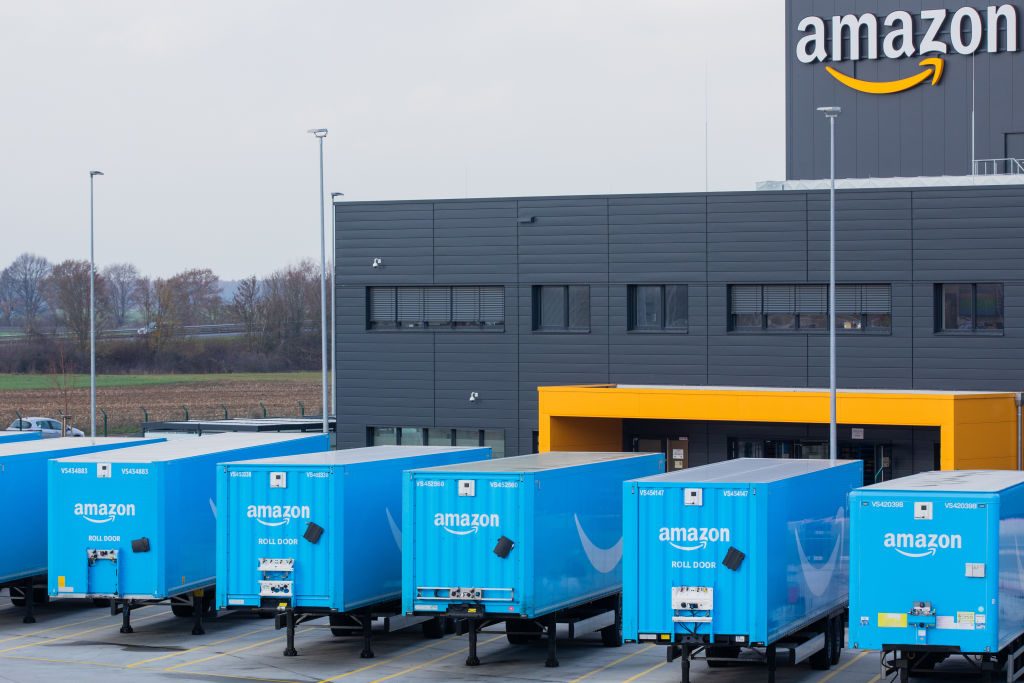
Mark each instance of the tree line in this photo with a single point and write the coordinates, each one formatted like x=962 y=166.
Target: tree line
x=278 y=315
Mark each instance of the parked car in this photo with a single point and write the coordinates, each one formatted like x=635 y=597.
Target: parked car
x=143 y=331
x=49 y=428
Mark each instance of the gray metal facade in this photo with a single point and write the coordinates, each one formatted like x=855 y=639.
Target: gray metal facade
x=925 y=131
x=911 y=239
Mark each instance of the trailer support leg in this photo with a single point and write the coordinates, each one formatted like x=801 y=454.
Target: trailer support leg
x=30 y=595
x=367 y=652
x=552 y=660
x=771 y=663
x=126 y=617
x=197 y=614
x=684 y=656
x=472 y=659
x=987 y=667
x=289 y=633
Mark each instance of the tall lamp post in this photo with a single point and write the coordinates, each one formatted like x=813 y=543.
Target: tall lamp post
x=334 y=309
x=320 y=134
x=92 y=310
x=832 y=113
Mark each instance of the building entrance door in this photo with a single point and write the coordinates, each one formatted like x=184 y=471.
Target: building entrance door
x=676 y=450
x=877 y=459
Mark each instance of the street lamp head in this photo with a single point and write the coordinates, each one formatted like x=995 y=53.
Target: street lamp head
x=95 y=173
x=831 y=112
x=318 y=132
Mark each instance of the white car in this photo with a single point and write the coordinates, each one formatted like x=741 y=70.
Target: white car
x=48 y=428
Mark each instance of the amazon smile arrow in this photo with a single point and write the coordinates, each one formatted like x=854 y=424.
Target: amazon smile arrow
x=933 y=69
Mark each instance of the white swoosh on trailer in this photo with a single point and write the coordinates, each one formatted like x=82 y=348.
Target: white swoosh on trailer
x=603 y=560
x=396 y=532
x=819 y=578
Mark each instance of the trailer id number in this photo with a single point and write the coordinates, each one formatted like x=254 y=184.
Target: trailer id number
x=961 y=506
x=887 y=503
x=135 y=470
x=241 y=475
x=317 y=475
x=104 y=539
x=504 y=484
x=652 y=492
x=732 y=493
x=696 y=564
x=277 y=541
x=74 y=470
x=432 y=483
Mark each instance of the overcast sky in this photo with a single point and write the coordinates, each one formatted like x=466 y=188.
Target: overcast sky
x=197 y=113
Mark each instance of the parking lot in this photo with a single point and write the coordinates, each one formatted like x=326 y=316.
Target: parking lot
x=74 y=641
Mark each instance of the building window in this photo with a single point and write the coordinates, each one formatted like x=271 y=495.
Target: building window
x=658 y=308
x=436 y=308
x=561 y=308
x=804 y=308
x=975 y=308
x=438 y=436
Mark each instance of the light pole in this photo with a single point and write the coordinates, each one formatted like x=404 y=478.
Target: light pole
x=334 y=309
x=320 y=134
x=92 y=310
x=832 y=113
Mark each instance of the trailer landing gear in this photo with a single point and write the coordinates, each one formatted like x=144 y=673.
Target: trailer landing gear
x=552 y=661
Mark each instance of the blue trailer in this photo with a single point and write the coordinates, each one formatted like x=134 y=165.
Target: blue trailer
x=23 y=488
x=308 y=536
x=530 y=541
x=16 y=436
x=138 y=526
x=740 y=554
x=937 y=570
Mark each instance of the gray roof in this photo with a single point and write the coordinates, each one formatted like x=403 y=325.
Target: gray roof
x=352 y=456
x=192 y=447
x=966 y=481
x=746 y=471
x=535 y=463
x=66 y=444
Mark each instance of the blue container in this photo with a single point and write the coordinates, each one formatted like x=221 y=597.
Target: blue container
x=524 y=536
x=23 y=488
x=140 y=524
x=14 y=437
x=936 y=560
x=321 y=531
x=742 y=552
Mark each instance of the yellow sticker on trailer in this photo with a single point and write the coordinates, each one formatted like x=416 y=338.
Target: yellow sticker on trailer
x=892 y=620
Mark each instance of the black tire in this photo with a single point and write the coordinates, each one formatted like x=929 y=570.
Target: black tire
x=182 y=611
x=337 y=621
x=451 y=626
x=839 y=640
x=101 y=602
x=433 y=629
x=723 y=651
x=522 y=631
x=822 y=659
x=17 y=600
x=611 y=636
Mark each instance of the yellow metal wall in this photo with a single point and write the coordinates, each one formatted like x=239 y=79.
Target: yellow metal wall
x=977 y=431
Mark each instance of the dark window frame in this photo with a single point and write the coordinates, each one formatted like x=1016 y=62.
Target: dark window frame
x=632 y=306
x=424 y=432
x=451 y=325
x=865 y=317
x=939 y=310
x=536 y=303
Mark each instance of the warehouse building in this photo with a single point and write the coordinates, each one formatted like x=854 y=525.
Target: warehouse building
x=696 y=323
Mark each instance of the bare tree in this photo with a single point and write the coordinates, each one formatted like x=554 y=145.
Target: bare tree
x=27 y=273
x=122 y=286
x=195 y=294
x=145 y=298
x=7 y=297
x=67 y=291
x=247 y=305
x=292 y=303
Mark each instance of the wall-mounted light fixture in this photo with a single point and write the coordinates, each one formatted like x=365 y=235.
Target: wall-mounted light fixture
x=473 y=397
x=377 y=263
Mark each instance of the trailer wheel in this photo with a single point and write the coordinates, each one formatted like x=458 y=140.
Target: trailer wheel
x=101 y=602
x=522 y=631
x=17 y=600
x=434 y=628
x=337 y=621
x=611 y=636
x=822 y=659
x=182 y=611
x=839 y=633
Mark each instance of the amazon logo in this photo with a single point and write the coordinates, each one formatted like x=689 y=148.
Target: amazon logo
x=693 y=538
x=899 y=35
x=102 y=513
x=922 y=545
x=465 y=523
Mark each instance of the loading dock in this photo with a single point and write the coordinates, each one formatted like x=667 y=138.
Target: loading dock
x=894 y=432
